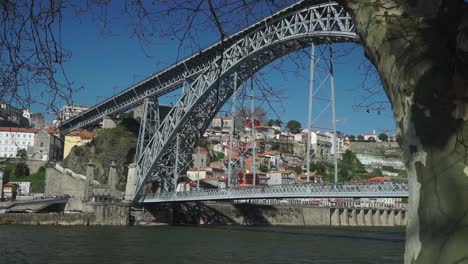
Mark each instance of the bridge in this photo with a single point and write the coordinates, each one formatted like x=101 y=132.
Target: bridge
x=210 y=77
x=312 y=190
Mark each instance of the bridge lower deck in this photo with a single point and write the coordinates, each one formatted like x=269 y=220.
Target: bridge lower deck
x=351 y=190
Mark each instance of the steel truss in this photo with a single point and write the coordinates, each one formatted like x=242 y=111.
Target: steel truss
x=313 y=190
x=328 y=20
x=291 y=29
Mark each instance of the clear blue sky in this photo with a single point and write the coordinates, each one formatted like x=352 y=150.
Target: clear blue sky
x=105 y=63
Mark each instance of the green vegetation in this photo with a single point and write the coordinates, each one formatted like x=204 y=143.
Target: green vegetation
x=109 y=145
x=283 y=147
x=294 y=126
x=349 y=169
x=37 y=179
x=218 y=156
x=21 y=169
x=383 y=137
x=319 y=167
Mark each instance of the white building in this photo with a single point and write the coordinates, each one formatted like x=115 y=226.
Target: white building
x=280 y=177
x=12 y=139
x=217 y=121
x=71 y=110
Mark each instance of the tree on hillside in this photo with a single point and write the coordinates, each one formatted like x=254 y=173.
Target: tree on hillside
x=21 y=169
x=371 y=139
x=319 y=167
x=274 y=122
x=352 y=137
x=383 y=137
x=294 y=126
x=350 y=167
x=22 y=154
x=360 y=137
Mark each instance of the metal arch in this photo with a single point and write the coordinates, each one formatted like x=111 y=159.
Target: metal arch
x=171 y=78
x=312 y=190
x=210 y=90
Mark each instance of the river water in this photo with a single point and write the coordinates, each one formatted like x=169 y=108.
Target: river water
x=220 y=245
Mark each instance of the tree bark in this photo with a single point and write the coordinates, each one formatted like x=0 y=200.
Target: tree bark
x=420 y=49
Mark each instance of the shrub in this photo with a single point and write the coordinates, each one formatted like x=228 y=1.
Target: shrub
x=21 y=169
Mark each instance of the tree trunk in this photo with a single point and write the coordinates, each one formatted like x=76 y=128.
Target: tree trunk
x=420 y=49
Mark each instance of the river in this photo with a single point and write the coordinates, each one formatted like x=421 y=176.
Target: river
x=220 y=245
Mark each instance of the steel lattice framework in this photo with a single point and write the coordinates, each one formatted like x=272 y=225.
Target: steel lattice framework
x=342 y=190
x=329 y=19
x=168 y=152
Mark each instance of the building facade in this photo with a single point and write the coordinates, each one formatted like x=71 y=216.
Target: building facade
x=76 y=138
x=71 y=110
x=47 y=146
x=13 y=139
x=12 y=116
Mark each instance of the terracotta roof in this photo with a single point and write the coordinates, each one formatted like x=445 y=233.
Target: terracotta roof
x=377 y=179
x=282 y=171
x=271 y=152
x=10 y=184
x=227 y=118
x=19 y=129
x=82 y=134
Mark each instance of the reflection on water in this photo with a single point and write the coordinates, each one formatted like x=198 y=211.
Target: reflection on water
x=169 y=244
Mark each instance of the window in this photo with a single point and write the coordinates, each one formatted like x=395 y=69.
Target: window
x=42 y=145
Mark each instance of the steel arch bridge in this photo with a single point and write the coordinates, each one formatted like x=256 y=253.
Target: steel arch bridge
x=294 y=28
x=166 y=146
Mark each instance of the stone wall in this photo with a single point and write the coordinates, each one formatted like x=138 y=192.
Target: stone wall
x=377 y=148
x=58 y=183
x=252 y=214
x=99 y=214
x=367 y=217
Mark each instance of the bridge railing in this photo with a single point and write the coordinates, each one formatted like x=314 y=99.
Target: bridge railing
x=385 y=189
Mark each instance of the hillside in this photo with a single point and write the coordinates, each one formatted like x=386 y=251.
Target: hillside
x=111 y=144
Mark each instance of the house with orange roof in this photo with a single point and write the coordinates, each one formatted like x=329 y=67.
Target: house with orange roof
x=272 y=156
x=76 y=138
x=314 y=177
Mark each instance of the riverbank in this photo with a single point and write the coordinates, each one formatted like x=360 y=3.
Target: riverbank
x=98 y=214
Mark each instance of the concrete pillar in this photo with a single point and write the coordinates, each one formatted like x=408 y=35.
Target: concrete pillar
x=345 y=217
x=335 y=217
x=2 y=172
x=130 y=186
x=88 y=190
x=377 y=218
x=367 y=217
x=384 y=218
x=398 y=219
x=391 y=218
x=354 y=220
x=112 y=180
x=108 y=122
x=361 y=218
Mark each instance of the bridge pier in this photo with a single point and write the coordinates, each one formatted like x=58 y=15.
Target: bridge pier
x=345 y=217
x=130 y=186
x=354 y=220
x=108 y=122
x=391 y=218
x=361 y=218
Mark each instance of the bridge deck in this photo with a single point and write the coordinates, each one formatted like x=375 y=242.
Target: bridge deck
x=342 y=190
